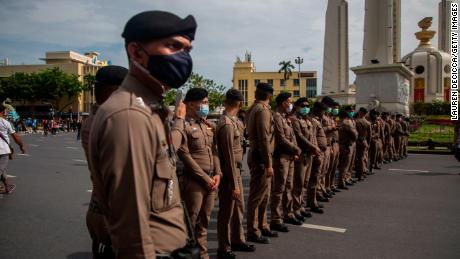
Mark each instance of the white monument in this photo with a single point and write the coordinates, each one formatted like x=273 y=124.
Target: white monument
x=335 y=60
x=431 y=68
x=444 y=29
x=381 y=82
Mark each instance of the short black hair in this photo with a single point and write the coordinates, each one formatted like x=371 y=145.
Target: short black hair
x=282 y=97
x=300 y=101
x=262 y=95
x=343 y=114
x=195 y=94
x=319 y=107
x=363 y=110
x=328 y=101
x=2 y=108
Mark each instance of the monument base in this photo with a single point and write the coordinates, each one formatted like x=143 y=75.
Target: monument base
x=384 y=88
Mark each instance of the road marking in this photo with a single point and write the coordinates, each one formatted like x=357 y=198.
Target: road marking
x=407 y=170
x=339 y=230
x=90 y=191
x=72 y=147
x=34 y=145
x=11 y=176
x=23 y=154
x=80 y=160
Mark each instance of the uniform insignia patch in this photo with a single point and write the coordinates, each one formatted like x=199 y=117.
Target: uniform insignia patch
x=140 y=101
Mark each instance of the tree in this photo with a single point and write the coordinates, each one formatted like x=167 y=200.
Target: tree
x=286 y=68
x=216 y=91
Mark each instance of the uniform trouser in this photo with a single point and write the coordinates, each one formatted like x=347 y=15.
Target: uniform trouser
x=379 y=151
x=323 y=171
x=281 y=196
x=230 y=216
x=352 y=163
x=361 y=153
x=314 y=179
x=199 y=202
x=373 y=153
x=406 y=143
x=97 y=228
x=345 y=158
x=333 y=163
x=397 y=146
x=392 y=148
x=302 y=170
x=259 y=194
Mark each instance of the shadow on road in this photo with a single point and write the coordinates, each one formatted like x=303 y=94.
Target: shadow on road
x=80 y=255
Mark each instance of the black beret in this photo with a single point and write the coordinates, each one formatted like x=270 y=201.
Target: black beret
x=110 y=75
x=234 y=95
x=152 y=25
x=300 y=101
x=328 y=101
x=319 y=106
x=363 y=110
x=282 y=97
x=265 y=87
x=195 y=94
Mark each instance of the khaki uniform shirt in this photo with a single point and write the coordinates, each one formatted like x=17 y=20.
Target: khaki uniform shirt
x=133 y=174
x=321 y=138
x=302 y=130
x=347 y=132
x=229 y=136
x=285 y=140
x=85 y=129
x=363 y=127
x=199 y=151
x=259 y=121
x=328 y=123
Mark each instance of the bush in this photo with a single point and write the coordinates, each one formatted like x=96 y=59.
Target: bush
x=434 y=108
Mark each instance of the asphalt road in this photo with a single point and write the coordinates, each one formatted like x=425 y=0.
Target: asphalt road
x=410 y=209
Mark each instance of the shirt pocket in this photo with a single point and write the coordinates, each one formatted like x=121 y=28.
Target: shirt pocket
x=196 y=140
x=165 y=191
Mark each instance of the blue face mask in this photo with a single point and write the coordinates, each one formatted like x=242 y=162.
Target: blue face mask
x=335 y=112
x=329 y=110
x=351 y=114
x=172 y=70
x=305 y=110
x=203 y=112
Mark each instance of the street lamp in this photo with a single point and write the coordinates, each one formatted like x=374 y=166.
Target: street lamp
x=299 y=61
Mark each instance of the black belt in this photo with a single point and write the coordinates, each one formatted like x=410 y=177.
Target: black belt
x=93 y=207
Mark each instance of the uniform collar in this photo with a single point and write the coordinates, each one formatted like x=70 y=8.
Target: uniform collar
x=134 y=85
x=263 y=104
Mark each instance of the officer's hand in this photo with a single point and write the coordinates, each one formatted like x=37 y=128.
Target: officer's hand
x=316 y=151
x=216 y=179
x=236 y=193
x=211 y=184
x=298 y=152
x=180 y=111
x=269 y=172
x=296 y=157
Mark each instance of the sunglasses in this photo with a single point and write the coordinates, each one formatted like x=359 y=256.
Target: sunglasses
x=304 y=106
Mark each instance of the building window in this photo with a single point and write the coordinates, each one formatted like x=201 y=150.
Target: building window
x=296 y=82
x=296 y=93
x=282 y=82
x=311 y=93
x=270 y=81
x=243 y=88
x=256 y=82
x=311 y=82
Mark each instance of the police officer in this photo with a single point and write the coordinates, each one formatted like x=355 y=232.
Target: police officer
x=259 y=121
x=386 y=140
x=347 y=141
x=229 y=136
x=321 y=141
x=131 y=149
x=362 y=145
x=375 y=142
x=399 y=136
x=302 y=167
x=331 y=130
x=286 y=152
x=108 y=79
x=201 y=164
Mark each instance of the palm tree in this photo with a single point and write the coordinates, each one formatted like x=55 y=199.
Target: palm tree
x=286 y=68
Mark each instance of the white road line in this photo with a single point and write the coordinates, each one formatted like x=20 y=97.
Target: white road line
x=34 y=145
x=80 y=160
x=11 y=176
x=90 y=191
x=338 y=230
x=20 y=154
x=407 y=170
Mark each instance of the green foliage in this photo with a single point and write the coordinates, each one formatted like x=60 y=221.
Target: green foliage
x=434 y=108
x=50 y=85
x=170 y=97
x=437 y=133
x=216 y=92
x=286 y=68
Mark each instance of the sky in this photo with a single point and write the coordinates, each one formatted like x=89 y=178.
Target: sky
x=272 y=30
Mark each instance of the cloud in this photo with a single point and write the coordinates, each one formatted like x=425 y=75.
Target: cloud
x=272 y=30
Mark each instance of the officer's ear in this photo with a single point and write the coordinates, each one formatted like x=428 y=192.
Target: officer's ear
x=137 y=54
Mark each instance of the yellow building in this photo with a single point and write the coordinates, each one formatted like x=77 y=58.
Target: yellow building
x=245 y=79
x=68 y=61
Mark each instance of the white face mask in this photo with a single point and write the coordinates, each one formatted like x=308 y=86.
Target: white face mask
x=290 y=108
